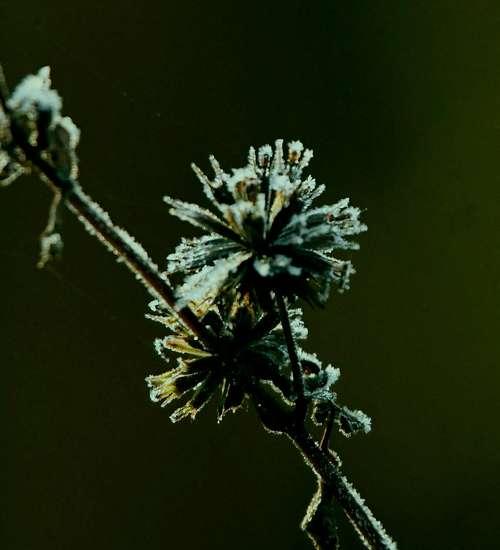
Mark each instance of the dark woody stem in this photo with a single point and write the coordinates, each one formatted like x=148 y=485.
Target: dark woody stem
x=298 y=379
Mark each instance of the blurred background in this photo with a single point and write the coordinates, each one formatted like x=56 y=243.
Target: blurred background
x=401 y=103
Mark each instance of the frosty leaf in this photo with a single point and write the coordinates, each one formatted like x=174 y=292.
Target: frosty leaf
x=220 y=176
x=351 y=422
x=171 y=385
x=181 y=345
x=206 y=284
x=199 y=217
x=192 y=254
x=200 y=398
x=318 y=384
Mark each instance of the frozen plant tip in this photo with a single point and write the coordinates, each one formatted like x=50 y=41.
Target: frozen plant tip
x=264 y=232
x=36 y=114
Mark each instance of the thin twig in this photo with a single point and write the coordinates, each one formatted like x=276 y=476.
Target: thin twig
x=298 y=380
x=327 y=433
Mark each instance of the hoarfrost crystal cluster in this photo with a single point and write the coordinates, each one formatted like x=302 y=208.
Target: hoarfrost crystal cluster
x=264 y=232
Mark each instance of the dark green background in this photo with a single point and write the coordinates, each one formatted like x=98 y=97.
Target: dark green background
x=401 y=103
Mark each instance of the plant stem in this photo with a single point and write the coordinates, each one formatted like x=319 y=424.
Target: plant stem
x=369 y=529
x=330 y=477
x=319 y=521
x=298 y=380
x=116 y=239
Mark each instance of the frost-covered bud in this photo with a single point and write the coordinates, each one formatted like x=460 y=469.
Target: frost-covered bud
x=264 y=233
x=35 y=110
x=34 y=106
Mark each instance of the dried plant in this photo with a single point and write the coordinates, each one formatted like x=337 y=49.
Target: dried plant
x=229 y=299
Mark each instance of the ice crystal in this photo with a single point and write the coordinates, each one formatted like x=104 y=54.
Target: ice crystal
x=264 y=233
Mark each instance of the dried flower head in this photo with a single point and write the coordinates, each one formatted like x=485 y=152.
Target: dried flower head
x=265 y=233
x=231 y=369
